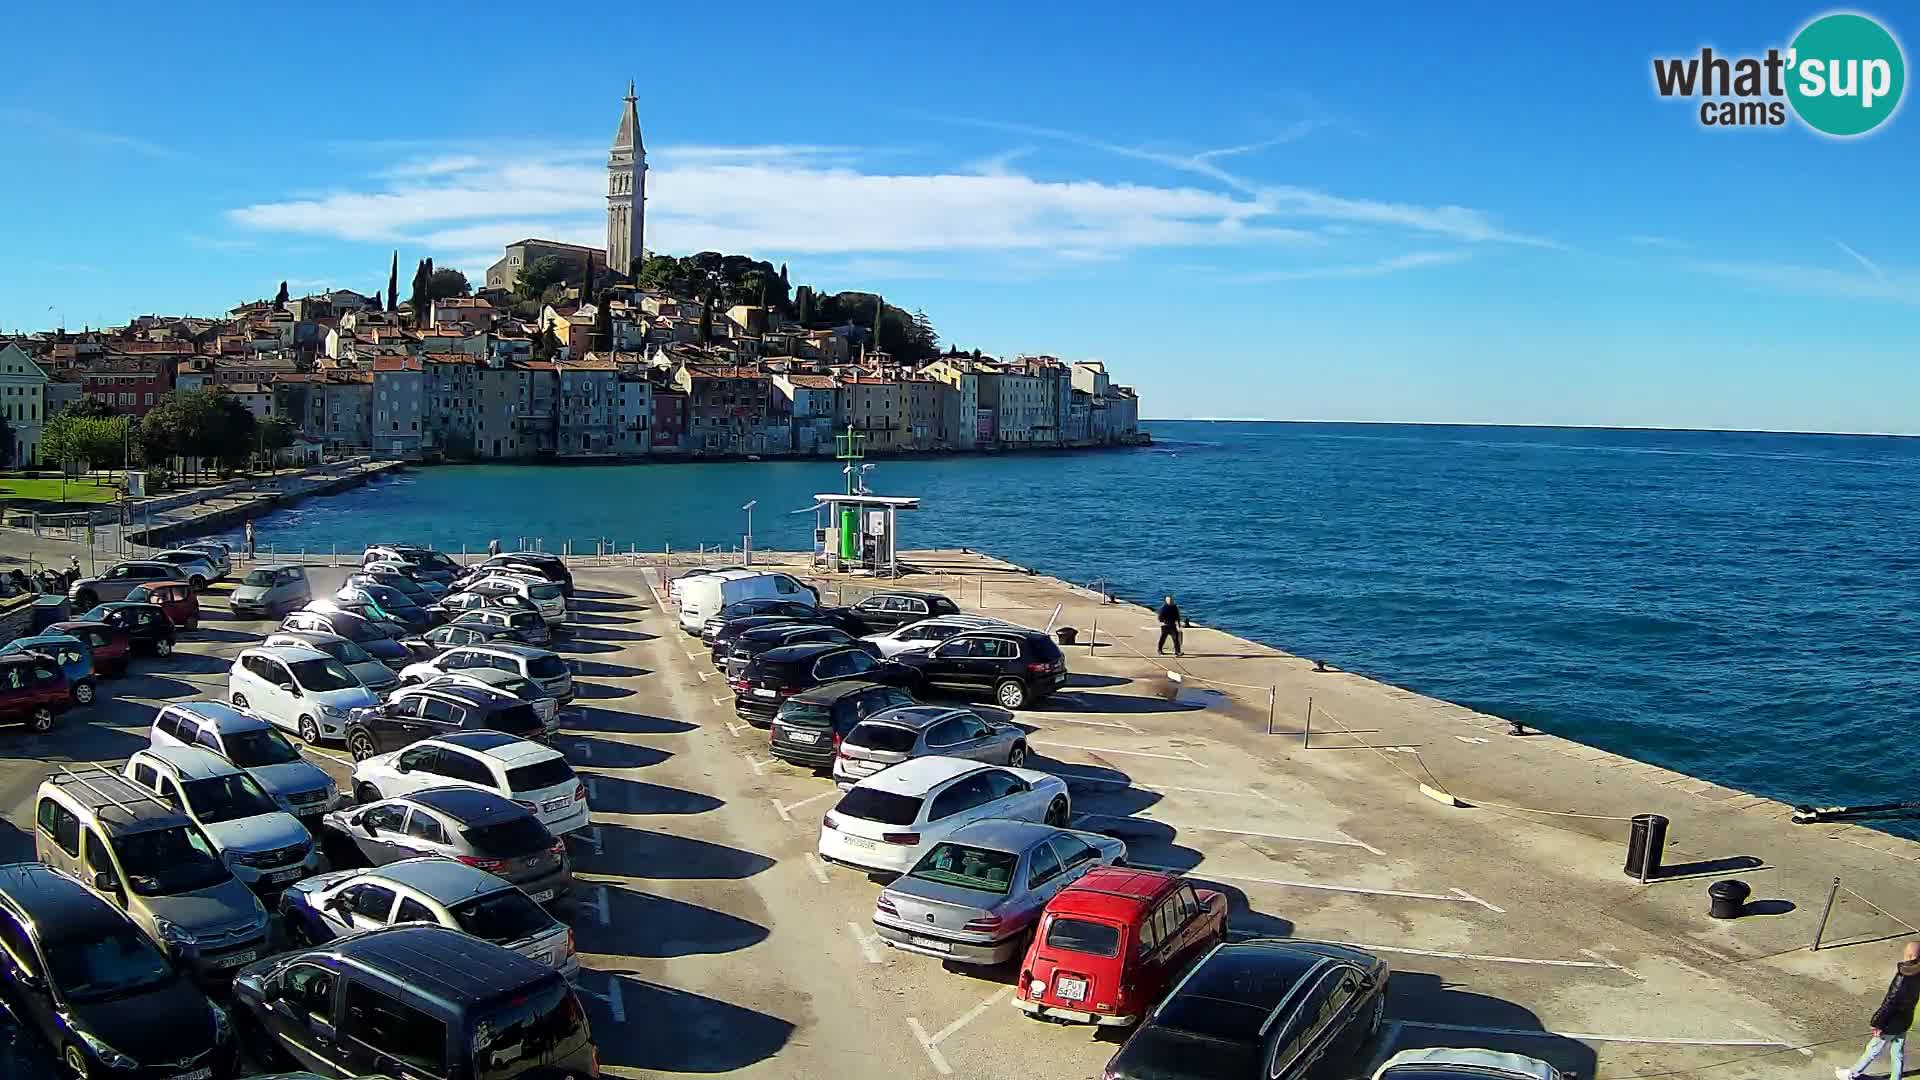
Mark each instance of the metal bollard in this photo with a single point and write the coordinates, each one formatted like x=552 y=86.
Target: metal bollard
x=1306 y=730
x=1825 y=912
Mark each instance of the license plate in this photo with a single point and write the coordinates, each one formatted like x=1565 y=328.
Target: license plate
x=861 y=843
x=557 y=804
x=542 y=896
x=762 y=692
x=279 y=876
x=245 y=956
x=1071 y=989
x=801 y=736
x=936 y=946
x=198 y=1074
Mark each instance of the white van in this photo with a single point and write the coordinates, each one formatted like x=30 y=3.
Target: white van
x=701 y=598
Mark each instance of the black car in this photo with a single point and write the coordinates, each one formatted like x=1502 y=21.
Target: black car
x=758 y=605
x=78 y=973
x=721 y=643
x=529 y=624
x=415 y=1000
x=809 y=726
x=368 y=634
x=406 y=584
x=762 y=638
x=425 y=712
x=1275 y=1009
x=898 y=607
x=547 y=566
x=778 y=674
x=147 y=626
x=1016 y=667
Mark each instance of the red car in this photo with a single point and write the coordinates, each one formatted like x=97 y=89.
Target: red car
x=176 y=598
x=1109 y=946
x=111 y=644
x=33 y=691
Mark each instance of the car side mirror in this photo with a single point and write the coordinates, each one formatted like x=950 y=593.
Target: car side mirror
x=106 y=882
x=366 y=826
x=401 y=767
x=31 y=983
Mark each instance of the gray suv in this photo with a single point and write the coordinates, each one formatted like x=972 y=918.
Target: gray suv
x=154 y=863
x=119 y=580
x=479 y=828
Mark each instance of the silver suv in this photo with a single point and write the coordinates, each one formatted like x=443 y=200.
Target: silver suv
x=541 y=667
x=119 y=580
x=153 y=862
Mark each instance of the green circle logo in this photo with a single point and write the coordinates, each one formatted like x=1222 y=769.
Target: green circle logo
x=1847 y=73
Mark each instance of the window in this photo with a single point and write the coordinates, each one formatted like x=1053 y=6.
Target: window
x=1046 y=867
x=412 y=910
x=99 y=859
x=459 y=766
x=424 y=826
x=1073 y=852
x=60 y=825
x=1000 y=785
x=210 y=739
x=398 y=1031
x=144 y=776
x=369 y=901
x=1189 y=903
x=310 y=988
x=385 y=818
x=18 y=947
x=439 y=711
x=964 y=794
x=946 y=733
x=423 y=758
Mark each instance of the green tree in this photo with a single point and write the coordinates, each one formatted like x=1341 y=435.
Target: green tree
x=803 y=304
x=6 y=441
x=417 y=299
x=56 y=439
x=88 y=407
x=445 y=283
x=706 y=314
x=603 y=323
x=545 y=344
x=535 y=278
x=393 y=283
x=280 y=298
x=663 y=273
x=273 y=435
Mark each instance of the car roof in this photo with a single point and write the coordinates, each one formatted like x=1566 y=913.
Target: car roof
x=471 y=695
x=448 y=965
x=288 y=653
x=1114 y=891
x=81 y=624
x=806 y=650
x=1445 y=1058
x=126 y=605
x=304 y=635
x=1261 y=973
x=191 y=762
x=470 y=805
x=827 y=693
x=446 y=880
x=511 y=648
x=57 y=905
x=498 y=745
x=182 y=551
x=915 y=775
x=120 y=805
x=915 y=717
x=1001 y=834
x=225 y=717
x=917 y=594
x=281 y=566
x=142 y=562
x=47 y=639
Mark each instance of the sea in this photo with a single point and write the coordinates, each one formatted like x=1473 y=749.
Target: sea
x=1737 y=606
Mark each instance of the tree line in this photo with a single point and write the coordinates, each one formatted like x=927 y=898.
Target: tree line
x=205 y=425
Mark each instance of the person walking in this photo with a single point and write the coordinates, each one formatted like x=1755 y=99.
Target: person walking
x=493 y=548
x=249 y=538
x=1892 y=1019
x=1169 y=627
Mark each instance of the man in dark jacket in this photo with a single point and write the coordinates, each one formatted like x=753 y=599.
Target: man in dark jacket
x=1892 y=1019
x=1169 y=626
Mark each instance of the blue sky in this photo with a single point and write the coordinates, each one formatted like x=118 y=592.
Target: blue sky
x=1468 y=213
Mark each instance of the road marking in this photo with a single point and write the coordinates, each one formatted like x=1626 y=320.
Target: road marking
x=600 y=905
x=585 y=748
x=1617 y=967
x=722 y=700
x=1234 y=832
x=1453 y=896
x=819 y=868
x=611 y=997
x=705 y=675
x=1589 y=1036
x=1485 y=959
x=759 y=766
x=1803 y=1051
x=735 y=729
x=1121 y=725
x=933 y=1054
x=784 y=809
x=348 y=762
x=866 y=941
x=593 y=789
x=692 y=659
x=1471 y=740
x=1111 y=750
x=1162 y=787
x=932 y=1043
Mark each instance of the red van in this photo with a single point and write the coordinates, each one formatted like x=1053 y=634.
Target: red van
x=33 y=691
x=1109 y=946
x=176 y=598
x=111 y=644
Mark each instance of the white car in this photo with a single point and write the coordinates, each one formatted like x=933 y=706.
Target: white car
x=197 y=566
x=927 y=633
x=377 y=676
x=541 y=667
x=549 y=598
x=887 y=821
x=1465 y=1064
x=219 y=554
x=535 y=776
x=296 y=688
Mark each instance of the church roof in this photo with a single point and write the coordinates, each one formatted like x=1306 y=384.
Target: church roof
x=628 y=137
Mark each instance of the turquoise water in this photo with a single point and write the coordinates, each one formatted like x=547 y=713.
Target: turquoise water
x=1737 y=606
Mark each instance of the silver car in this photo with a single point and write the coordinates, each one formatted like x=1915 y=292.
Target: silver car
x=275 y=589
x=974 y=896
x=376 y=676
x=506 y=682
x=891 y=737
x=220 y=554
x=120 y=579
x=197 y=565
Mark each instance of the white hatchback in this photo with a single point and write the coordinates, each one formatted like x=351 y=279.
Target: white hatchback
x=887 y=821
x=927 y=633
x=535 y=776
x=297 y=688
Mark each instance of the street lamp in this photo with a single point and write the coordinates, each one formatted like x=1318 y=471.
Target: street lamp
x=748 y=546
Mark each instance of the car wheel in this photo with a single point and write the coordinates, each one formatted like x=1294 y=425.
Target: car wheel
x=1058 y=814
x=86 y=599
x=163 y=647
x=1017 y=756
x=1011 y=693
x=83 y=693
x=42 y=719
x=309 y=731
x=239 y=701
x=360 y=745
x=366 y=793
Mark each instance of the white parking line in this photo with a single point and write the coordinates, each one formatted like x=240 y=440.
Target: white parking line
x=759 y=766
x=611 y=997
x=1234 y=832
x=1617 y=967
x=1485 y=959
x=348 y=762
x=705 y=675
x=866 y=941
x=1589 y=1036
x=1803 y=1051
x=819 y=869
x=931 y=1043
x=735 y=729
x=933 y=1054
x=724 y=699
x=1452 y=896
x=1120 y=725
x=593 y=789
x=785 y=809
x=1111 y=750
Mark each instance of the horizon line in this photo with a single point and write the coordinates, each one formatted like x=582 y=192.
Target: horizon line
x=1531 y=427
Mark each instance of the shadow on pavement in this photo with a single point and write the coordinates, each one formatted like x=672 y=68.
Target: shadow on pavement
x=1088 y=701
x=596 y=669
x=680 y=1031
x=588 y=718
x=78 y=736
x=598 y=594
x=643 y=854
x=1097 y=790
x=589 y=752
x=16 y=845
x=207 y=633
x=599 y=691
x=574 y=644
x=617 y=795
x=599 y=634
x=1414 y=997
x=159 y=686
x=186 y=663
x=669 y=927
x=1079 y=680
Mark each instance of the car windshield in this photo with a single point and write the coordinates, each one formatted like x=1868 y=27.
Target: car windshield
x=356 y=630
x=322 y=675
x=1082 y=936
x=226 y=798
x=546 y=592
x=518 y=687
x=801 y=714
x=503 y=916
x=885 y=807
x=883 y=737
x=262 y=746
x=518 y=719
x=968 y=867
x=123 y=962
x=258 y=578
x=98 y=614
x=530 y=1029
x=510 y=838
x=161 y=862
x=546 y=667
x=540 y=775
x=344 y=651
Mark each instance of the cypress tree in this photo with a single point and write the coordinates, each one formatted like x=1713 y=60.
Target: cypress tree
x=393 y=283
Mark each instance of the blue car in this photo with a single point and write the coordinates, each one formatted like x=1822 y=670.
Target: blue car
x=74 y=656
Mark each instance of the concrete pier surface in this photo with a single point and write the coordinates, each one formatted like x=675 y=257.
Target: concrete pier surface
x=716 y=942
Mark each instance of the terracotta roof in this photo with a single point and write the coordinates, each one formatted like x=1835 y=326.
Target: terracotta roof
x=589 y=362
x=813 y=382
x=721 y=371
x=534 y=365
x=447 y=358
x=396 y=363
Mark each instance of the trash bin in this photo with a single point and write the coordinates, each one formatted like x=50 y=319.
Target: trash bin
x=1728 y=899
x=1066 y=634
x=1645 y=843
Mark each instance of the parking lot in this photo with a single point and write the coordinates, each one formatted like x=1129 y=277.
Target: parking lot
x=714 y=940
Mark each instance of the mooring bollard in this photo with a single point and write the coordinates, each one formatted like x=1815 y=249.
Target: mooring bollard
x=1646 y=842
x=1727 y=899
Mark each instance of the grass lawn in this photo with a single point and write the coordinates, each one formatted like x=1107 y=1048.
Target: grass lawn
x=47 y=489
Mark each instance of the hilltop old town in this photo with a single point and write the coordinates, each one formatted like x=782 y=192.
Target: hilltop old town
x=576 y=352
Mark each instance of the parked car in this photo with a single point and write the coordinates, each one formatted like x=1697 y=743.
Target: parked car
x=506 y=682
x=528 y=627
x=112 y=646
x=82 y=976
x=297 y=689
x=451 y=636
x=894 y=608
x=886 y=822
x=703 y=597
x=274 y=589
x=177 y=599
x=533 y=775
x=436 y=891
x=435 y=585
x=365 y=633
x=974 y=897
x=538 y=666
x=372 y=674
x=720 y=645
x=265 y=847
x=425 y=712
x=120 y=579
x=150 y=860
x=415 y=590
x=390 y=605
x=886 y=739
x=1017 y=668
x=810 y=725
x=218 y=552
x=1279 y=1009
x=925 y=634
x=414 y=1001
x=32 y=691
x=147 y=627
x=479 y=828
x=367 y=611
x=549 y=598
x=762 y=605
x=764 y=639
x=548 y=566
x=425 y=561
x=295 y=784
x=74 y=656
x=198 y=566
x=1109 y=945
x=680 y=581
x=453 y=605
x=1449 y=1063
x=778 y=674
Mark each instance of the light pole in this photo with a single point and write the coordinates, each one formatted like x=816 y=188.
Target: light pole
x=748 y=546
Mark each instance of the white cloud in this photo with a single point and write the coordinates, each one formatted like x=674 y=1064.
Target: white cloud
x=77 y=135
x=1411 y=261
x=1816 y=280
x=1871 y=266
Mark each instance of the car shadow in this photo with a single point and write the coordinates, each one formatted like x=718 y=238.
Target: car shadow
x=590 y=752
x=1098 y=789
x=138 y=684
x=598 y=634
x=598 y=594
x=574 y=645
x=1088 y=701
x=1149 y=843
x=16 y=843
x=596 y=669
x=1077 y=679
x=673 y=927
x=186 y=663
x=579 y=618
x=619 y=795
x=680 y=1032
x=646 y=855
x=207 y=633
x=1418 y=997
x=78 y=736
x=588 y=718
x=599 y=691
